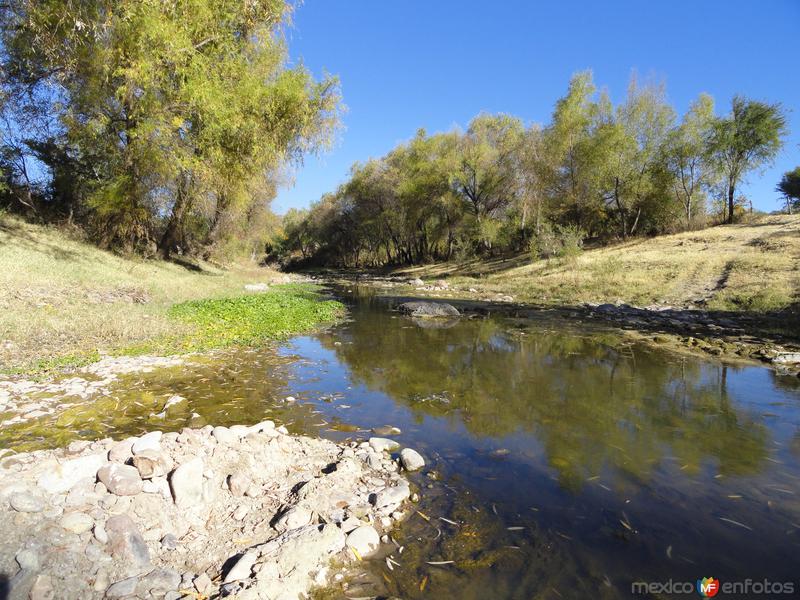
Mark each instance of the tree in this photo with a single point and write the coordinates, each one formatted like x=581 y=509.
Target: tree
x=183 y=111
x=685 y=154
x=486 y=173
x=748 y=139
x=789 y=186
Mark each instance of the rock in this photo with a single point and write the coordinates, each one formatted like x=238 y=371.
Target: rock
x=159 y=581
x=120 y=589
x=364 y=540
x=169 y=542
x=426 y=310
x=392 y=497
x=149 y=441
x=238 y=484
x=787 y=358
x=242 y=569
x=263 y=426
x=224 y=435
x=42 y=589
x=239 y=430
x=100 y=533
x=386 y=430
x=417 y=281
x=380 y=444
x=24 y=502
x=77 y=522
x=157 y=485
x=62 y=476
x=411 y=459
x=241 y=512
x=121 y=451
x=186 y=483
x=295 y=517
x=27 y=559
x=152 y=463
x=256 y=287
x=202 y=583
x=125 y=541
x=121 y=480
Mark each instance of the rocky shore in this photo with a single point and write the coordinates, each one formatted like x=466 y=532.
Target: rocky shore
x=246 y=512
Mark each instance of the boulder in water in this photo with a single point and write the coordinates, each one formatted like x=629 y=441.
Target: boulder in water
x=425 y=309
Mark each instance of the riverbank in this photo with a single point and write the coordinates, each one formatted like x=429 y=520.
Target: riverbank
x=245 y=510
x=65 y=304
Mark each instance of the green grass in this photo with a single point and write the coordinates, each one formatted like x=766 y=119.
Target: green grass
x=63 y=302
x=248 y=320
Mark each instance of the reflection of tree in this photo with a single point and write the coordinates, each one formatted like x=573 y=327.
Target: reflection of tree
x=587 y=400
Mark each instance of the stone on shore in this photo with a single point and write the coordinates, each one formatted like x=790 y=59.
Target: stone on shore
x=186 y=483
x=383 y=444
x=149 y=441
x=23 y=502
x=61 y=476
x=364 y=540
x=411 y=459
x=122 y=480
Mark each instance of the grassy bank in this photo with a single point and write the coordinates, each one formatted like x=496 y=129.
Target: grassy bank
x=752 y=267
x=63 y=302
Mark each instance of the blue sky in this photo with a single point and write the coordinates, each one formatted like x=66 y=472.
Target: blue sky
x=436 y=64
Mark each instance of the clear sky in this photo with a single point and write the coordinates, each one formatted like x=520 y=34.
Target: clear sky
x=406 y=64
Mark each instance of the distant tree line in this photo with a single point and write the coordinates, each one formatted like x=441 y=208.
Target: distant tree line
x=154 y=126
x=595 y=171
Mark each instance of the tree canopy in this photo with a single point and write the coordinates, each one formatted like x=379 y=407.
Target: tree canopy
x=156 y=123
x=596 y=170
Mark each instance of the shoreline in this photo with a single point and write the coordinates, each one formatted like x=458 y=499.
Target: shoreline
x=726 y=336
x=246 y=510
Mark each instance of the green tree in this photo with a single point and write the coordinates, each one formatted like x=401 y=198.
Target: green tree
x=182 y=110
x=685 y=155
x=748 y=139
x=789 y=186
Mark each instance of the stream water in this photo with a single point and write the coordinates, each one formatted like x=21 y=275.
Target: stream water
x=564 y=460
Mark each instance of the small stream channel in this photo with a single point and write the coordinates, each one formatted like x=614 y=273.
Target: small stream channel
x=564 y=460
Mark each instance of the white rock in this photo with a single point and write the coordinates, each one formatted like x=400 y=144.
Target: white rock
x=243 y=568
x=256 y=287
x=149 y=441
x=411 y=459
x=263 y=426
x=224 y=435
x=380 y=444
x=295 y=517
x=186 y=483
x=24 y=502
x=364 y=540
x=77 y=522
x=392 y=497
x=62 y=476
x=121 y=480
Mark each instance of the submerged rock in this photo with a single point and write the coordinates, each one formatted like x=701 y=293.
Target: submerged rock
x=425 y=309
x=364 y=540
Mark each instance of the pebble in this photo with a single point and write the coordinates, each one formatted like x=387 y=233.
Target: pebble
x=121 y=480
x=202 y=583
x=186 y=483
x=125 y=541
x=120 y=589
x=121 y=451
x=364 y=540
x=224 y=435
x=27 y=559
x=66 y=474
x=22 y=502
x=380 y=444
x=242 y=568
x=42 y=589
x=159 y=581
x=238 y=484
x=169 y=542
x=297 y=516
x=411 y=459
x=152 y=463
x=149 y=441
x=77 y=522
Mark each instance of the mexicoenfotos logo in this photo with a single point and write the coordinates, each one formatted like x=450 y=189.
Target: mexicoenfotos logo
x=707 y=587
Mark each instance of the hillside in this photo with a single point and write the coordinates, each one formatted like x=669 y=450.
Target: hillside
x=63 y=301
x=753 y=267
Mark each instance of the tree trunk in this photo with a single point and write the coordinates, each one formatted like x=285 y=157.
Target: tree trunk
x=731 y=190
x=173 y=234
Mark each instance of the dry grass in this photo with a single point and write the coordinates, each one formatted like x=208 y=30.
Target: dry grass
x=747 y=267
x=64 y=300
